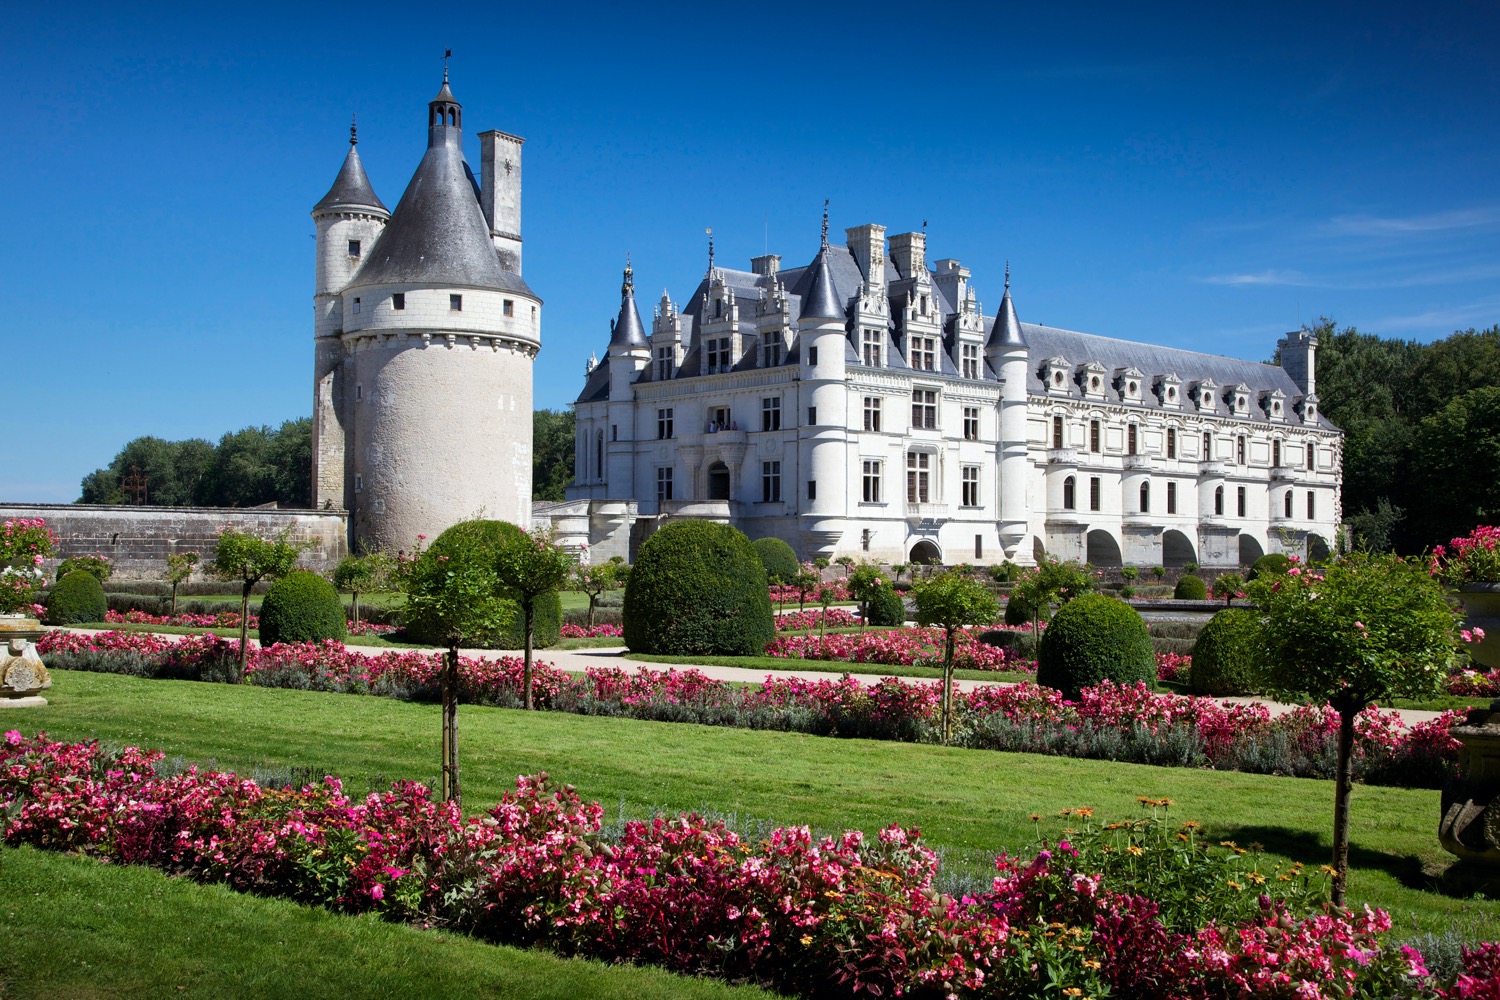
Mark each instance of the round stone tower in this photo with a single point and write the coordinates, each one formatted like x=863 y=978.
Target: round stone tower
x=438 y=340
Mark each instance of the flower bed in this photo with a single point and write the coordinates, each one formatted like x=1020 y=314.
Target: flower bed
x=907 y=647
x=594 y=632
x=1110 y=722
x=836 y=590
x=806 y=621
x=224 y=619
x=1127 y=908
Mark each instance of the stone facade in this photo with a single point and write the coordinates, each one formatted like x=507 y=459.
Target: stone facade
x=899 y=422
x=137 y=540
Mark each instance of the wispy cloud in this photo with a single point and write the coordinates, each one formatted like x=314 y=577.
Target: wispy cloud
x=1267 y=277
x=1411 y=225
x=1484 y=312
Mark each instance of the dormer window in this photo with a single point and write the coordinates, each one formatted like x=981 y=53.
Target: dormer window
x=1055 y=375
x=718 y=308
x=1168 y=391
x=1128 y=382
x=1238 y=398
x=1057 y=378
x=1093 y=379
x=1206 y=395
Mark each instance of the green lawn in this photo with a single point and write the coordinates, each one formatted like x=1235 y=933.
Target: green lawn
x=964 y=800
x=78 y=928
x=775 y=663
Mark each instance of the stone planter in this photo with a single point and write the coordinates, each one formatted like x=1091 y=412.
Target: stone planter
x=1470 y=824
x=22 y=676
x=1482 y=609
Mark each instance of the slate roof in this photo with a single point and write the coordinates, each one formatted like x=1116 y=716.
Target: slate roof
x=351 y=188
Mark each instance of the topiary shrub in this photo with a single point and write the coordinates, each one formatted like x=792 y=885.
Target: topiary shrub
x=886 y=607
x=698 y=588
x=778 y=559
x=1017 y=610
x=77 y=598
x=1191 y=588
x=1270 y=564
x=1020 y=645
x=487 y=537
x=99 y=567
x=1227 y=655
x=1094 y=638
x=301 y=607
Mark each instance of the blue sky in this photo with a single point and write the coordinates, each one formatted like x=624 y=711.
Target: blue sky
x=1188 y=175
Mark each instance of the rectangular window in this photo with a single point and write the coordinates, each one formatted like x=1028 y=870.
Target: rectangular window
x=770 y=348
x=1057 y=432
x=508 y=307
x=359 y=393
x=872 y=413
x=1312 y=457
x=812 y=489
x=1093 y=435
x=770 y=413
x=924 y=354
x=1276 y=454
x=871 y=344
x=1208 y=447
x=970 y=477
x=663 y=484
x=1219 y=502
x=614 y=432
x=924 y=408
x=1171 y=443
x=971 y=423
x=978 y=546
x=1171 y=498
x=1145 y=498
x=918 y=477
x=356 y=303
x=718 y=355
x=812 y=356
x=664 y=424
x=971 y=360
x=872 y=482
x=718 y=419
x=398 y=300
x=456 y=303
x=1070 y=501
x=812 y=414
x=770 y=482
x=354 y=248
x=1312 y=509
x=666 y=363
x=1095 y=492
x=1239 y=449
x=1130 y=439
x=359 y=483
x=1286 y=504
x=1240 y=501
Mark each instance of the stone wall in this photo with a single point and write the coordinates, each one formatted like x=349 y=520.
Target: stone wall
x=139 y=539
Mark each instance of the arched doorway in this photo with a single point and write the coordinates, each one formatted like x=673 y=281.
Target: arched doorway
x=1177 y=549
x=1038 y=550
x=718 y=481
x=1317 y=548
x=1103 y=550
x=1250 y=550
x=926 y=553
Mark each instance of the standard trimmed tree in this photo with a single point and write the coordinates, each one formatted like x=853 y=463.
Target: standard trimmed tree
x=456 y=590
x=530 y=567
x=249 y=558
x=357 y=575
x=180 y=567
x=1361 y=629
x=951 y=601
x=595 y=581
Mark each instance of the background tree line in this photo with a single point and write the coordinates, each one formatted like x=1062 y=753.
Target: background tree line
x=259 y=465
x=1422 y=432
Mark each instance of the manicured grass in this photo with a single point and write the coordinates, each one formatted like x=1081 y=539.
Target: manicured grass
x=965 y=800
x=76 y=927
x=775 y=663
x=598 y=642
x=1440 y=704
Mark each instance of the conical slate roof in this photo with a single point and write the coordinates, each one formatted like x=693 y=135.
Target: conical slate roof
x=1007 y=329
x=628 y=331
x=351 y=189
x=819 y=301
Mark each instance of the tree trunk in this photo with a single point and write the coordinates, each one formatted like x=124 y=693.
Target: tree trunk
x=1341 y=784
x=592 y=601
x=948 y=688
x=244 y=631
x=174 y=598
x=450 y=725
x=530 y=612
x=355 y=595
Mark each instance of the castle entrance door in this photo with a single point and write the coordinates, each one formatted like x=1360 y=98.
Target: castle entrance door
x=718 y=481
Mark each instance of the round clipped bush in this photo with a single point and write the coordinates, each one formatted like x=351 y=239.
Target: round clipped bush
x=482 y=539
x=1017 y=610
x=1270 y=564
x=698 y=588
x=1227 y=655
x=886 y=607
x=778 y=558
x=1191 y=588
x=301 y=607
x=1095 y=638
x=77 y=598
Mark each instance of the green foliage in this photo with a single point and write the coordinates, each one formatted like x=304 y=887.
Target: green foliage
x=1093 y=638
x=778 y=558
x=248 y=558
x=1018 y=609
x=301 y=607
x=1269 y=565
x=252 y=466
x=453 y=597
x=77 y=598
x=551 y=454
x=885 y=607
x=821 y=562
x=173 y=471
x=1227 y=654
x=1365 y=628
x=951 y=601
x=1004 y=572
x=1050 y=581
x=1159 y=571
x=698 y=588
x=1130 y=572
x=1456 y=457
x=362 y=574
x=1227 y=585
x=532 y=566
x=181 y=566
x=597 y=580
x=1190 y=588
x=99 y=567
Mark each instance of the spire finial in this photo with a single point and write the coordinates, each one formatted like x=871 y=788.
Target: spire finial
x=447 y=54
x=354 y=130
x=710 y=233
x=1007 y=275
x=825 y=223
x=628 y=287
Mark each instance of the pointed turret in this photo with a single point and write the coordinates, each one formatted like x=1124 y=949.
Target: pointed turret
x=351 y=188
x=819 y=300
x=628 y=333
x=1006 y=333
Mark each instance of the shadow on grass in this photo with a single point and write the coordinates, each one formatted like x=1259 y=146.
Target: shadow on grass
x=1310 y=849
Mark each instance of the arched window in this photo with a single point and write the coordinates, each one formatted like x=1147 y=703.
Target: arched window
x=1219 y=501
x=1145 y=498
x=1070 y=494
x=1287 y=504
x=599 y=455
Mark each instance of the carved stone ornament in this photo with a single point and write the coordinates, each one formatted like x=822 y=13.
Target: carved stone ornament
x=22 y=675
x=1470 y=825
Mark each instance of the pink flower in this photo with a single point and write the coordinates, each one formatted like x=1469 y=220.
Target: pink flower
x=377 y=891
x=1360 y=626
x=13 y=737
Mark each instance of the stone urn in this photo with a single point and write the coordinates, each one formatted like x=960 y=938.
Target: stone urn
x=22 y=676
x=1482 y=609
x=1470 y=825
